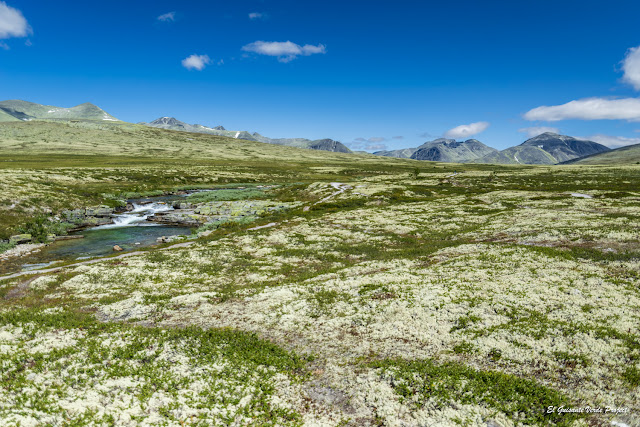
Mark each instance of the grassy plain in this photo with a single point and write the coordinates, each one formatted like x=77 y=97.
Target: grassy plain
x=414 y=293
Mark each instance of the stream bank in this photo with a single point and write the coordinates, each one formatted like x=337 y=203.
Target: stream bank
x=98 y=231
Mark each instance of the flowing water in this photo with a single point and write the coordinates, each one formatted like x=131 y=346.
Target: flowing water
x=129 y=230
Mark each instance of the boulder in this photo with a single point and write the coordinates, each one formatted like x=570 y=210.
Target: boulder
x=99 y=211
x=169 y=239
x=182 y=205
x=117 y=248
x=20 y=238
x=74 y=215
x=95 y=221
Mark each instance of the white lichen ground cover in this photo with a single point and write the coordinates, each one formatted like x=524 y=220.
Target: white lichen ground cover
x=409 y=302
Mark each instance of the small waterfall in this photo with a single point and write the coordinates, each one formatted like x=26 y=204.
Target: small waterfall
x=139 y=214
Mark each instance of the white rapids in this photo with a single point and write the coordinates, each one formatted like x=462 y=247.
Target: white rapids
x=139 y=214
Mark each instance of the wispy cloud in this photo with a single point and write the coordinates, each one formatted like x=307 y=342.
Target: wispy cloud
x=598 y=108
x=375 y=147
x=284 y=51
x=257 y=16
x=613 y=141
x=589 y=109
x=398 y=137
x=631 y=67
x=538 y=130
x=196 y=62
x=465 y=131
x=167 y=17
x=12 y=23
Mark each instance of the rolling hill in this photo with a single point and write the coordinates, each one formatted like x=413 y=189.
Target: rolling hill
x=108 y=138
x=619 y=156
x=13 y=110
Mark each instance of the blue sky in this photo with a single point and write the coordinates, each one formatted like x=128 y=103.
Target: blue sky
x=371 y=74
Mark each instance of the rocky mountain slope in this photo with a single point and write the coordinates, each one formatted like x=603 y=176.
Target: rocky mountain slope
x=548 y=148
x=526 y=155
x=545 y=149
x=13 y=110
x=564 y=147
x=320 y=144
x=443 y=150
x=403 y=153
x=450 y=150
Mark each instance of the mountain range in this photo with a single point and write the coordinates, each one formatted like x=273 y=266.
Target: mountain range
x=547 y=148
x=319 y=144
x=443 y=150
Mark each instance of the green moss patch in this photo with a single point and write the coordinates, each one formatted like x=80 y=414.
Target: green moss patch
x=423 y=382
x=68 y=368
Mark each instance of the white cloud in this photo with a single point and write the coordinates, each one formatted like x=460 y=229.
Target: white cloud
x=613 y=141
x=465 y=131
x=196 y=62
x=285 y=51
x=538 y=130
x=167 y=17
x=375 y=147
x=589 y=109
x=631 y=67
x=254 y=16
x=398 y=137
x=12 y=23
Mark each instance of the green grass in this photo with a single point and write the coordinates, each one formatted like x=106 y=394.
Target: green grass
x=243 y=354
x=226 y=194
x=5 y=246
x=418 y=382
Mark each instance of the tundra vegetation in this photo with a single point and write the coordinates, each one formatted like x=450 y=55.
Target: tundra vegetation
x=395 y=292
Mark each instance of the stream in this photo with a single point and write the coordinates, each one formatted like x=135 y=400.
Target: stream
x=129 y=230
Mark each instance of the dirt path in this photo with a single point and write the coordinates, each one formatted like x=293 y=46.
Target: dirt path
x=338 y=186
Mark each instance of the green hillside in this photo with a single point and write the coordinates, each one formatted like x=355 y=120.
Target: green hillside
x=619 y=156
x=24 y=110
x=126 y=139
x=6 y=117
x=172 y=123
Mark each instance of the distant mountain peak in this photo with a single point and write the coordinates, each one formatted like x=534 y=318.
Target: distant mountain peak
x=450 y=150
x=167 y=121
x=546 y=148
x=25 y=110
